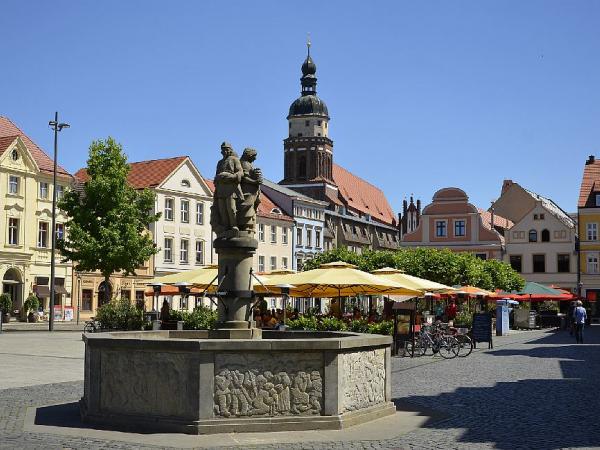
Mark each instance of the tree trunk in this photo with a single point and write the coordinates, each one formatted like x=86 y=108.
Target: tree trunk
x=106 y=288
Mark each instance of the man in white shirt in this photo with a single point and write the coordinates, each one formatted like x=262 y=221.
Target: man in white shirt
x=579 y=318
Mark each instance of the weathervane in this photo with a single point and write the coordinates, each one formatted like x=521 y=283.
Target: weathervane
x=308 y=42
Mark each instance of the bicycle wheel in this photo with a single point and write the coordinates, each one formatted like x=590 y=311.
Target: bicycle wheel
x=465 y=345
x=419 y=348
x=449 y=347
x=88 y=328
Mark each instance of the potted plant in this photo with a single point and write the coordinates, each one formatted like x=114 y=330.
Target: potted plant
x=463 y=319
x=31 y=306
x=5 y=307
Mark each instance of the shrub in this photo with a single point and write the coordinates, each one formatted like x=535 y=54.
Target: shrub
x=464 y=318
x=201 y=318
x=331 y=324
x=120 y=314
x=5 y=303
x=306 y=323
x=384 y=327
x=359 y=326
x=31 y=304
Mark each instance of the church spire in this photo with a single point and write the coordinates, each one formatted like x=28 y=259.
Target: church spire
x=309 y=69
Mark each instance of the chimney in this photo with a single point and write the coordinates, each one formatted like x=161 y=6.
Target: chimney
x=492 y=218
x=591 y=159
x=505 y=185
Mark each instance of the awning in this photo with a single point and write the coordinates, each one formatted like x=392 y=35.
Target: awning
x=59 y=290
x=41 y=291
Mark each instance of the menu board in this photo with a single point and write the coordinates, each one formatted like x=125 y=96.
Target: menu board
x=481 y=330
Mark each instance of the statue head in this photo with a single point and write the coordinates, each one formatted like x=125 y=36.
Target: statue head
x=249 y=154
x=226 y=149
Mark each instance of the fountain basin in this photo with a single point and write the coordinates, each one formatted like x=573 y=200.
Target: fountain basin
x=190 y=382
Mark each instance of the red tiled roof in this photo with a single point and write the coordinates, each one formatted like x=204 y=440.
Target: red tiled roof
x=145 y=174
x=363 y=196
x=44 y=162
x=264 y=208
x=591 y=175
x=499 y=221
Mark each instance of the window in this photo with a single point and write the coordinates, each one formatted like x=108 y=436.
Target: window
x=273 y=263
x=60 y=191
x=168 y=250
x=199 y=213
x=539 y=263
x=516 y=263
x=126 y=294
x=299 y=264
x=261 y=232
x=440 y=228
x=592 y=231
x=536 y=217
x=273 y=234
x=261 y=263
x=481 y=256
x=309 y=238
x=183 y=251
x=307 y=123
x=42 y=235
x=86 y=299
x=60 y=231
x=13 y=231
x=592 y=263
x=185 y=183
x=532 y=236
x=459 y=228
x=284 y=263
x=563 y=263
x=319 y=122
x=318 y=238
x=298 y=236
x=597 y=199
x=200 y=252
x=15 y=155
x=185 y=211
x=284 y=235
x=13 y=184
x=168 y=209
x=545 y=236
x=43 y=189
x=542 y=216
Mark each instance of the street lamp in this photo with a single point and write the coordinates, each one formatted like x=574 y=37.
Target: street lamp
x=156 y=287
x=184 y=290
x=56 y=126
x=285 y=290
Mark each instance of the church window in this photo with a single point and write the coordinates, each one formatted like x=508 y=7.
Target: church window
x=302 y=166
x=306 y=123
x=299 y=134
x=319 y=122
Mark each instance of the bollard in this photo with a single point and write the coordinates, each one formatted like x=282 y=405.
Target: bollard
x=155 y=325
x=180 y=325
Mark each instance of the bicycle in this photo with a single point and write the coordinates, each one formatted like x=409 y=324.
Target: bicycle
x=91 y=326
x=432 y=338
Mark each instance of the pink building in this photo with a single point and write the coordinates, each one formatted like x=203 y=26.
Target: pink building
x=450 y=221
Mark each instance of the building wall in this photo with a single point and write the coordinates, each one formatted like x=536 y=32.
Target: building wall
x=298 y=125
x=309 y=225
x=562 y=242
x=196 y=193
x=26 y=261
x=273 y=248
x=590 y=279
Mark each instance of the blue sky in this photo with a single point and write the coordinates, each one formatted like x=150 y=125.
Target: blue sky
x=422 y=95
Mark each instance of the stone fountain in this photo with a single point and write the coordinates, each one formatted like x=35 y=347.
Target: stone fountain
x=235 y=378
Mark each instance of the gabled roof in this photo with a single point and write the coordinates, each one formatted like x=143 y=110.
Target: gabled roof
x=589 y=182
x=290 y=193
x=265 y=207
x=145 y=174
x=363 y=196
x=553 y=208
x=499 y=221
x=9 y=132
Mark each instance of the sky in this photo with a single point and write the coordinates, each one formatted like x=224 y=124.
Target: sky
x=422 y=95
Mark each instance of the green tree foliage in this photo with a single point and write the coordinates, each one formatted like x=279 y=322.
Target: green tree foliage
x=108 y=219
x=120 y=314
x=440 y=265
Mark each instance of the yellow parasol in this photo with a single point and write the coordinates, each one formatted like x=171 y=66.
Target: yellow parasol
x=419 y=284
x=338 y=279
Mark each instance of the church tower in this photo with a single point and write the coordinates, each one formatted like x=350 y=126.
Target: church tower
x=308 y=151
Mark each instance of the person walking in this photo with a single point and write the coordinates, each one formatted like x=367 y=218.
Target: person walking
x=579 y=317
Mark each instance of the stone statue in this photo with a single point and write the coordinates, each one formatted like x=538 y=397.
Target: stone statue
x=250 y=186
x=223 y=217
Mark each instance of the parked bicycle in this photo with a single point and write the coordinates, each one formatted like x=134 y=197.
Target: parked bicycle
x=92 y=326
x=432 y=339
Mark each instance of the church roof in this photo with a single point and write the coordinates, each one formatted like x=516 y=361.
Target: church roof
x=9 y=132
x=362 y=196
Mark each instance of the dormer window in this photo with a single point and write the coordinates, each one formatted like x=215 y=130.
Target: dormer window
x=15 y=155
x=185 y=183
x=276 y=211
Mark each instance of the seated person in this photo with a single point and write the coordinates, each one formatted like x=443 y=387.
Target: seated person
x=268 y=320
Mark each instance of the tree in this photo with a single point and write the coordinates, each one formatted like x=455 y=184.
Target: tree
x=108 y=219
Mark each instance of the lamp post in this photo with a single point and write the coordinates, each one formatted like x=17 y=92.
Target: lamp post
x=156 y=287
x=78 y=295
x=56 y=126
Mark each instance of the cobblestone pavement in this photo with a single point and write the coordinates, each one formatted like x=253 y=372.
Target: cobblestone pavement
x=534 y=390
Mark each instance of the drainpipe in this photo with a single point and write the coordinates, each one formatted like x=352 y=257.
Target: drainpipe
x=578 y=253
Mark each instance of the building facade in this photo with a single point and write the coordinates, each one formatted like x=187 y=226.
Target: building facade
x=541 y=244
x=357 y=214
x=450 y=221
x=411 y=215
x=274 y=232
x=182 y=234
x=588 y=213
x=309 y=221
x=25 y=227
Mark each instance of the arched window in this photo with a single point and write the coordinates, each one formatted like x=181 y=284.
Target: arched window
x=185 y=183
x=301 y=167
x=532 y=236
x=545 y=236
x=276 y=211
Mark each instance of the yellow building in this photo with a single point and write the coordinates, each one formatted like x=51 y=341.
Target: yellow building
x=26 y=220
x=588 y=212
